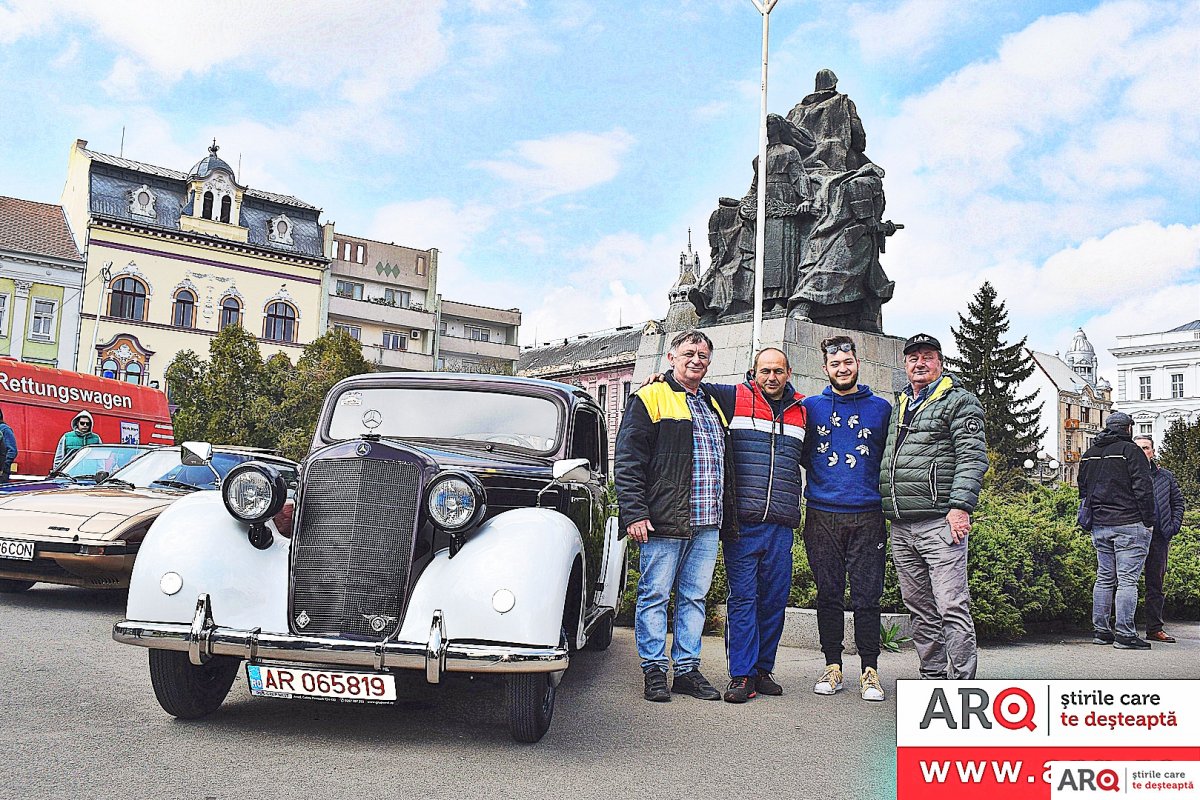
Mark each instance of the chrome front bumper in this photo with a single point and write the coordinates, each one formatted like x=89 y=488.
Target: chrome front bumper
x=203 y=639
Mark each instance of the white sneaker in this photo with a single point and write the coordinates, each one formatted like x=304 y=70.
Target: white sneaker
x=831 y=680
x=868 y=685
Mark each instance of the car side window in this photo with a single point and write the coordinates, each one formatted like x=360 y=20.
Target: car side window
x=585 y=442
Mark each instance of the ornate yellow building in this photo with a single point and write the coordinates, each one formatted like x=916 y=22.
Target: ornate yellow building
x=173 y=257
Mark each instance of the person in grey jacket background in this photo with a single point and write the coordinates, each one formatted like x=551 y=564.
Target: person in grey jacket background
x=1168 y=519
x=932 y=474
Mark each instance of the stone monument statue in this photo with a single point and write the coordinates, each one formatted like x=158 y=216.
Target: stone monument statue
x=825 y=227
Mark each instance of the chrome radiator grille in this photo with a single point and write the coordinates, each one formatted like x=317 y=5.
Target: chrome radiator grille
x=353 y=551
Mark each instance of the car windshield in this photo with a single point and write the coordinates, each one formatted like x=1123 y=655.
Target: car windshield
x=87 y=461
x=165 y=465
x=511 y=420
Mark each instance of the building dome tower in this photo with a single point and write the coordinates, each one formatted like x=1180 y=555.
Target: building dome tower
x=1082 y=358
x=682 y=314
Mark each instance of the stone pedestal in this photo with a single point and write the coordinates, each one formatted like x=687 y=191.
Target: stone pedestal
x=881 y=356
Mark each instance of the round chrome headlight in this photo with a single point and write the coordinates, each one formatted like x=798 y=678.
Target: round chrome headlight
x=455 y=501
x=253 y=492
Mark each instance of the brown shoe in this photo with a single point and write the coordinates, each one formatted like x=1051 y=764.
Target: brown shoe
x=1160 y=636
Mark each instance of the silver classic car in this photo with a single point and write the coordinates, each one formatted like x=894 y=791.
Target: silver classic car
x=444 y=523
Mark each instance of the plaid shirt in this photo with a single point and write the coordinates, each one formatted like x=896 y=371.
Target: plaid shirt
x=708 y=460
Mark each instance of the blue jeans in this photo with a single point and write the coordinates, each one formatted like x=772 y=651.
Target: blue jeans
x=759 y=566
x=1120 y=556
x=687 y=566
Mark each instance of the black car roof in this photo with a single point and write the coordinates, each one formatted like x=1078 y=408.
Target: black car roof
x=570 y=394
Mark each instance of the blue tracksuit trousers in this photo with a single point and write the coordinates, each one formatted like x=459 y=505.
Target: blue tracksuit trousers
x=759 y=566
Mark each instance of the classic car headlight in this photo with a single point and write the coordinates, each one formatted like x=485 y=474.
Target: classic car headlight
x=455 y=501
x=254 y=492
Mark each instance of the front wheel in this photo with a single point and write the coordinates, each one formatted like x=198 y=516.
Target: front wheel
x=188 y=691
x=8 y=586
x=601 y=636
x=530 y=705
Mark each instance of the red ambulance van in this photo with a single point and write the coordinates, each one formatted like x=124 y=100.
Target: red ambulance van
x=39 y=403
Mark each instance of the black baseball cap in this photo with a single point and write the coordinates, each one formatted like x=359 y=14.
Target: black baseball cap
x=921 y=340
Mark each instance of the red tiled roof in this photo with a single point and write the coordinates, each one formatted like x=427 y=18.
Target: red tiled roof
x=36 y=228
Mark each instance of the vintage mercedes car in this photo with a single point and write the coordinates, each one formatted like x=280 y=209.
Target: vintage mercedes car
x=444 y=523
x=90 y=536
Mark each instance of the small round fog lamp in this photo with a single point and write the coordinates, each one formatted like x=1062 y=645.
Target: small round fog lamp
x=503 y=601
x=170 y=583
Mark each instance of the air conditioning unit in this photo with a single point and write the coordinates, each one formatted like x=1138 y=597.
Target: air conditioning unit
x=414 y=334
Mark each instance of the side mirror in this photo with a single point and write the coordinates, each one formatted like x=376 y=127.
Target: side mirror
x=196 y=454
x=572 y=470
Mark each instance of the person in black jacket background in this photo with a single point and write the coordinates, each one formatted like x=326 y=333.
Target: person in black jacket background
x=1114 y=480
x=1168 y=519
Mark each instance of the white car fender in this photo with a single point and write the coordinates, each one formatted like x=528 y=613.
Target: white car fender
x=528 y=552
x=199 y=540
x=615 y=546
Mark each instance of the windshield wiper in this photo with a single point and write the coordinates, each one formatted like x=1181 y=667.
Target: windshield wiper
x=123 y=483
x=471 y=444
x=175 y=484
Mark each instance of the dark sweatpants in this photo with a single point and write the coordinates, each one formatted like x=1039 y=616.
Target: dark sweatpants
x=1156 y=570
x=840 y=545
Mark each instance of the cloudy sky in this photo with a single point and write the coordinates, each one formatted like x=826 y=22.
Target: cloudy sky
x=557 y=152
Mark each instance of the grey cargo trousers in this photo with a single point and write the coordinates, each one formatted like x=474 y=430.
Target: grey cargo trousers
x=933 y=580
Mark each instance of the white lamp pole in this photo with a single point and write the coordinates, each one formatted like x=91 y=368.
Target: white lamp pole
x=760 y=233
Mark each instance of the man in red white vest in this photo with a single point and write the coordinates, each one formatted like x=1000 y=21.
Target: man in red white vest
x=766 y=439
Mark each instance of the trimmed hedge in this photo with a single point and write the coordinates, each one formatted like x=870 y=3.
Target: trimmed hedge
x=1028 y=563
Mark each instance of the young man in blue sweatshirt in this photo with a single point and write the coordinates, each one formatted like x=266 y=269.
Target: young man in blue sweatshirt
x=844 y=532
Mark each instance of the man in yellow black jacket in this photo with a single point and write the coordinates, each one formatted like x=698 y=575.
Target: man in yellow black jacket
x=673 y=488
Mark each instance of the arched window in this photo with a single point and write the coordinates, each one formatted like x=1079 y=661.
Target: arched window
x=231 y=312
x=109 y=369
x=133 y=372
x=208 y=206
x=226 y=208
x=280 y=325
x=128 y=300
x=185 y=309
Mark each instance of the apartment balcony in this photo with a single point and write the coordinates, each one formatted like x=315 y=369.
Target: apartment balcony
x=347 y=309
x=458 y=345
x=393 y=360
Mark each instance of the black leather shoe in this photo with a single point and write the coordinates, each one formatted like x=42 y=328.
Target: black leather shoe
x=695 y=684
x=1102 y=637
x=740 y=689
x=656 y=687
x=1131 y=643
x=1160 y=636
x=767 y=685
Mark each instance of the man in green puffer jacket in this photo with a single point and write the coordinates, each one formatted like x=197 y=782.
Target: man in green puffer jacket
x=933 y=466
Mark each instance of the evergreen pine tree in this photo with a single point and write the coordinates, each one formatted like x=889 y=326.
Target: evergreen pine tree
x=993 y=370
x=1180 y=453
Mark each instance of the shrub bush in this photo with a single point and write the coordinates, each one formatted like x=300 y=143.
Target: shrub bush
x=1027 y=563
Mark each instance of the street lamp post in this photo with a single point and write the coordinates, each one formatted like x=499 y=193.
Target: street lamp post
x=760 y=231
x=1044 y=469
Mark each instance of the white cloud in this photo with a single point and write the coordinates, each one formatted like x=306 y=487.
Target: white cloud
x=908 y=30
x=1148 y=309
x=621 y=278
x=452 y=229
x=561 y=164
x=1038 y=169
x=371 y=50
